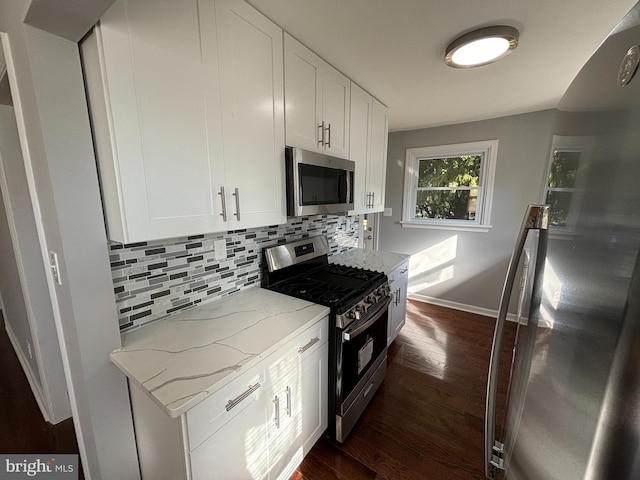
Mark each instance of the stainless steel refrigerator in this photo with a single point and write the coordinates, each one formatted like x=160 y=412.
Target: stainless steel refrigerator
x=572 y=408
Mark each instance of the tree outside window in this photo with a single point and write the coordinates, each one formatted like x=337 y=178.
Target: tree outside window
x=449 y=186
x=563 y=190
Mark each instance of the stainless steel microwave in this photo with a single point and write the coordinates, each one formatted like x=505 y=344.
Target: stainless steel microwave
x=318 y=183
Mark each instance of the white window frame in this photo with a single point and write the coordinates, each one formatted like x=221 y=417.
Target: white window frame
x=482 y=223
x=584 y=145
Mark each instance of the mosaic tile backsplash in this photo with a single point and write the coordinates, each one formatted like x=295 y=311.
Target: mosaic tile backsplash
x=152 y=280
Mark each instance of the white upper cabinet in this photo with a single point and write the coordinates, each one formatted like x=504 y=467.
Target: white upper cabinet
x=176 y=91
x=251 y=82
x=317 y=102
x=368 y=149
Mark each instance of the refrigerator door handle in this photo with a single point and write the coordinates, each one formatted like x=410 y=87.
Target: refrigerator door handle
x=536 y=218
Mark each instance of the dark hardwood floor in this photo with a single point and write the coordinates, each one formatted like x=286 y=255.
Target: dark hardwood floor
x=426 y=421
x=22 y=428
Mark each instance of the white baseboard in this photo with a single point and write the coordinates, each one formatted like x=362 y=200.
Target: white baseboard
x=487 y=312
x=33 y=383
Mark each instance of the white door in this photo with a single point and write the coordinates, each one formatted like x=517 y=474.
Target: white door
x=252 y=87
x=377 y=173
x=302 y=97
x=359 y=144
x=336 y=105
x=239 y=449
x=160 y=69
x=311 y=397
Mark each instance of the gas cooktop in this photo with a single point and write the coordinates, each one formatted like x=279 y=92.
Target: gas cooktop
x=331 y=285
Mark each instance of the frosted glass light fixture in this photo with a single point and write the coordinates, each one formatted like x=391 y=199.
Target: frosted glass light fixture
x=480 y=47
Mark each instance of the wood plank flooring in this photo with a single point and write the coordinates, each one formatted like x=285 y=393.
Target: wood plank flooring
x=22 y=428
x=426 y=421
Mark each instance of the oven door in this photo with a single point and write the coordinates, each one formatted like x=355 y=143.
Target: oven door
x=362 y=343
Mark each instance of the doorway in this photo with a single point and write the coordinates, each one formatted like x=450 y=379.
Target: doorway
x=369 y=233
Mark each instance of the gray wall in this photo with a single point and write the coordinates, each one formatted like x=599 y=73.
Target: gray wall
x=466 y=269
x=25 y=293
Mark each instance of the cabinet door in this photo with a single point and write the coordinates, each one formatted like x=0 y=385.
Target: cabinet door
x=238 y=450
x=299 y=383
x=360 y=144
x=377 y=173
x=302 y=96
x=252 y=88
x=159 y=71
x=398 y=281
x=336 y=105
x=312 y=397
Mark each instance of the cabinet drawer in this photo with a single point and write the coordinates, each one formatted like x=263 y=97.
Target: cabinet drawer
x=310 y=340
x=206 y=418
x=399 y=272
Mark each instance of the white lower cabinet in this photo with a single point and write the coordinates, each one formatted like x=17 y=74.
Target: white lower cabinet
x=259 y=426
x=398 y=281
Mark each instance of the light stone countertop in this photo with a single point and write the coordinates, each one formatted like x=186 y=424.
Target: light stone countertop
x=182 y=359
x=374 y=260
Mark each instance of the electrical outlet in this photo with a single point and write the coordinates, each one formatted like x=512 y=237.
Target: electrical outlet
x=388 y=212
x=220 y=249
x=55 y=269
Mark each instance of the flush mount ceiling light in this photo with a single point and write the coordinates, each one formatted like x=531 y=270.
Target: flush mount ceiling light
x=480 y=47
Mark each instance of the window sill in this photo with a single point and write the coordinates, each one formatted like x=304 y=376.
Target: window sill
x=447 y=226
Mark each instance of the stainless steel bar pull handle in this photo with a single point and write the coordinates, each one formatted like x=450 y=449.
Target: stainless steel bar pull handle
x=224 y=204
x=321 y=127
x=232 y=403
x=236 y=194
x=328 y=136
x=276 y=419
x=288 y=408
x=536 y=218
x=311 y=343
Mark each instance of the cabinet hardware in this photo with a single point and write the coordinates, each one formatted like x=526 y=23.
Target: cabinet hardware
x=397 y=296
x=328 y=136
x=321 y=127
x=224 y=204
x=368 y=389
x=237 y=195
x=232 y=403
x=276 y=419
x=373 y=199
x=311 y=343
x=288 y=390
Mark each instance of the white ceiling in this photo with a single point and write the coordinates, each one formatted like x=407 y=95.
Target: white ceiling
x=394 y=49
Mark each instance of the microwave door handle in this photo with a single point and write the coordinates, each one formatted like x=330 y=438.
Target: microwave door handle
x=352 y=333
x=343 y=187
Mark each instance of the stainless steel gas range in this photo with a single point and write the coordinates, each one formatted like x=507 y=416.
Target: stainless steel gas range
x=359 y=301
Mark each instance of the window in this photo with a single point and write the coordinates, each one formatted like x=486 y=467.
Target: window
x=450 y=186
x=565 y=174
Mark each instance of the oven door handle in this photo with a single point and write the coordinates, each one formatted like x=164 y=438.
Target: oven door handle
x=358 y=328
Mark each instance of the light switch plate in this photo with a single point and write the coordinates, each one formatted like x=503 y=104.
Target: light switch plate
x=388 y=212
x=220 y=249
